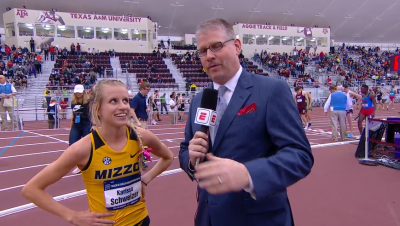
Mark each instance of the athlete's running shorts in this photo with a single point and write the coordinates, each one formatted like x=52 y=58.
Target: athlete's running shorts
x=302 y=110
x=391 y=98
x=367 y=111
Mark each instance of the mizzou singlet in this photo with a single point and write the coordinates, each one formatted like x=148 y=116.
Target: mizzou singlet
x=113 y=181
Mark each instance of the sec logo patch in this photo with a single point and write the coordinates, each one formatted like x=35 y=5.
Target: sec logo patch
x=106 y=160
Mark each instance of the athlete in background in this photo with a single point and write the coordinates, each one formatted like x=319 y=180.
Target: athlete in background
x=110 y=160
x=392 y=94
x=349 y=112
x=379 y=95
x=309 y=101
x=368 y=106
x=300 y=99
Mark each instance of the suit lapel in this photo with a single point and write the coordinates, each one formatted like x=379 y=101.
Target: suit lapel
x=239 y=97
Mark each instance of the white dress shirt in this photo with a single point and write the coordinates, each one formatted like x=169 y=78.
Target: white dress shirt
x=231 y=86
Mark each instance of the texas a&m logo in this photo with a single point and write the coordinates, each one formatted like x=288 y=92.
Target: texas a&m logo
x=22 y=13
x=205 y=117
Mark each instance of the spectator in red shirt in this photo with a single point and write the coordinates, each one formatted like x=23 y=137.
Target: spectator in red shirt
x=63 y=105
x=52 y=51
x=78 y=49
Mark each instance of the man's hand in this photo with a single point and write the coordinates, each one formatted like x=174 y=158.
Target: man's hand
x=198 y=147
x=219 y=175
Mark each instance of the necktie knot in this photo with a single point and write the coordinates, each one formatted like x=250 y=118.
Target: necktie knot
x=222 y=90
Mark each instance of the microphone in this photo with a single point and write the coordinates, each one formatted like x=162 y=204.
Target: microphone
x=206 y=114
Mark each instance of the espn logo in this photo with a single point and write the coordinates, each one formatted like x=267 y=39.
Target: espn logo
x=205 y=117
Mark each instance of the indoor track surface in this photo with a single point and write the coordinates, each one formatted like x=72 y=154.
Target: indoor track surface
x=338 y=192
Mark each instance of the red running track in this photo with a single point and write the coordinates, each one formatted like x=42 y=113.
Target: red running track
x=338 y=191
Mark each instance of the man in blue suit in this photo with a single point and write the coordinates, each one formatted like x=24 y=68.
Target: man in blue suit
x=256 y=150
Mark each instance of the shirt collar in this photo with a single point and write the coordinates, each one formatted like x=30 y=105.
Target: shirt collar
x=231 y=84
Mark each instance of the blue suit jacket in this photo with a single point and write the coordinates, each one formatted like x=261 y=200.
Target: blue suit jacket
x=271 y=143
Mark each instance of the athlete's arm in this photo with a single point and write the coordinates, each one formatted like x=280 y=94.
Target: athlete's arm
x=309 y=100
x=160 y=150
x=373 y=99
x=359 y=98
x=76 y=155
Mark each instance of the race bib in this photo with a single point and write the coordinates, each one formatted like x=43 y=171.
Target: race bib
x=365 y=105
x=122 y=192
x=299 y=100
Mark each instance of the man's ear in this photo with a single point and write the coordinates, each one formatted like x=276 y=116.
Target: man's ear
x=238 y=46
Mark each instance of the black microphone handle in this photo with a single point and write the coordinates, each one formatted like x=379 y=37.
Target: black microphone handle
x=203 y=129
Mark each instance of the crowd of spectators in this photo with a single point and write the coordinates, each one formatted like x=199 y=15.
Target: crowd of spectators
x=19 y=64
x=353 y=64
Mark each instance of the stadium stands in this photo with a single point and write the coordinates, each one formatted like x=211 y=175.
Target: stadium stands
x=148 y=66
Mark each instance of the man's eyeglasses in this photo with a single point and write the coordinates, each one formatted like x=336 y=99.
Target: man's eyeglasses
x=213 y=47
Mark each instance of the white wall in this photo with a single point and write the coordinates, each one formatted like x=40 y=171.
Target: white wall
x=171 y=38
x=3 y=35
x=189 y=39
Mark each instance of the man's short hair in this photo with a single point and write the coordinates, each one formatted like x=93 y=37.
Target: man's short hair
x=332 y=88
x=144 y=85
x=365 y=86
x=214 y=24
x=346 y=86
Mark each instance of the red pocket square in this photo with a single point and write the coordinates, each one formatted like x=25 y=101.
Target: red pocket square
x=248 y=109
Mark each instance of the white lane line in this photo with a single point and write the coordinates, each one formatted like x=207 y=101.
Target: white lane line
x=20 y=186
x=49 y=136
x=41 y=165
x=67 y=196
x=66 y=134
x=334 y=144
x=31 y=154
x=83 y=192
x=23 y=168
x=66 y=142
x=21 y=145
x=47 y=152
x=69 y=176
x=5 y=138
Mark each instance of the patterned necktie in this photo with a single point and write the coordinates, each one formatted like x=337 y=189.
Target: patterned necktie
x=221 y=107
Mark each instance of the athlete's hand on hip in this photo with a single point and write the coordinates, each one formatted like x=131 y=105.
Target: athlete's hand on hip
x=87 y=218
x=198 y=147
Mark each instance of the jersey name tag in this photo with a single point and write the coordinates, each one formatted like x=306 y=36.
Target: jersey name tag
x=122 y=192
x=365 y=105
x=299 y=100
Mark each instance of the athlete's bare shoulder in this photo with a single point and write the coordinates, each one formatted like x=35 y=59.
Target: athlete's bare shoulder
x=80 y=150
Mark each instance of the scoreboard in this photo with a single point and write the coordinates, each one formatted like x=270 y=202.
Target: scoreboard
x=395 y=63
